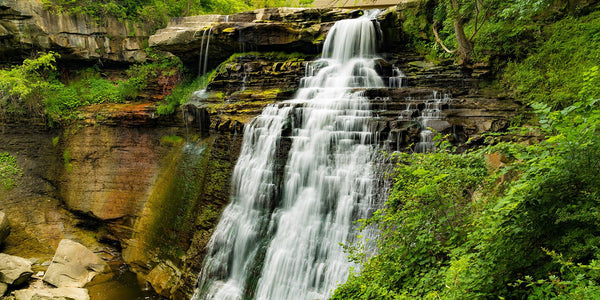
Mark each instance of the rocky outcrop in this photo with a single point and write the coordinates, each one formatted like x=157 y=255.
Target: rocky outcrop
x=232 y=98
x=52 y=294
x=3 y=288
x=164 y=278
x=26 y=26
x=274 y=29
x=259 y=72
x=121 y=177
x=4 y=227
x=74 y=265
x=14 y=270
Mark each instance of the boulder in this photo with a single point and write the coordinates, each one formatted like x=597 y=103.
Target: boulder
x=14 y=270
x=74 y=265
x=3 y=288
x=64 y=293
x=163 y=278
x=4 y=227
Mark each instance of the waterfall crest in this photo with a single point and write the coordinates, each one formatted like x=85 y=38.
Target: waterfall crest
x=279 y=238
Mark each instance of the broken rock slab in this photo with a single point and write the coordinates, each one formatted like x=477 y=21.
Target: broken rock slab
x=53 y=294
x=74 y=265
x=4 y=227
x=14 y=270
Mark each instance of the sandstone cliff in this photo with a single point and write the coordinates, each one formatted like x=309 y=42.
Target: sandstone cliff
x=25 y=27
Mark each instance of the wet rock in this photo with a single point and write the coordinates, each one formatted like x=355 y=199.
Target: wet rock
x=259 y=72
x=74 y=265
x=4 y=227
x=64 y=293
x=14 y=270
x=164 y=278
x=274 y=29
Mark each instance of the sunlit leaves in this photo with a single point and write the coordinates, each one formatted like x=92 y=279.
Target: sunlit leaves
x=9 y=171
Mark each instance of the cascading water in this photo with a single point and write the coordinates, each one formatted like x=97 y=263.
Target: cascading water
x=397 y=78
x=432 y=111
x=279 y=238
x=203 y=59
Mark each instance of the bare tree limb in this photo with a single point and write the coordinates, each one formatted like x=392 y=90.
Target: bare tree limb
x=485 y=18
x=438 y=40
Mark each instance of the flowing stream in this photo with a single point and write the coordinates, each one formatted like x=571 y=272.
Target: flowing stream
x=305 y=173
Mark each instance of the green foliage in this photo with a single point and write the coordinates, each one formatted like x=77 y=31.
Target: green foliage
x=182 y=93
x=67 y=160
x=527 y=226
x=502 y=29
x=33 y=88
x=9 y=171
x=171 y=140
x=161 y=68
x=22 y=87
x=427 y=216
x=560 y=68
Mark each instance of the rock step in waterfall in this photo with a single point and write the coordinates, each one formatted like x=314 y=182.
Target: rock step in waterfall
x=304 y=175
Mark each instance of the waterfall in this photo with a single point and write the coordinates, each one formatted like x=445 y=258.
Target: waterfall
x=203 y=58
x=279 y=238
x=397 y=78
x=432 y=111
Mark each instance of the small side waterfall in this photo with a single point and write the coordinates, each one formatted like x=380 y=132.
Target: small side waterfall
x=279 y=238
x=432 y=111
x=397 y=79
x=203 y=58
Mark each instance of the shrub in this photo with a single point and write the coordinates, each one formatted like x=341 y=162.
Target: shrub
x=9 y=171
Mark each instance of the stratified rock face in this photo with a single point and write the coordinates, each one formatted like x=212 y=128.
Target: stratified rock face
x=275 y=29
x=4 y=227
x=26 y=26
x=53 y=294
x=109 y=171
x=259 y=72
x=74 y=265
x=14 y=270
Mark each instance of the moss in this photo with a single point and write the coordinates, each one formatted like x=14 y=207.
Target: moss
x=268 y=55
x=67 y=160
x=320 y=39
x=229 y=30
x=172 y=202
x=171 y=140
x=187 y=197
x=207 y=217
x=258 y=94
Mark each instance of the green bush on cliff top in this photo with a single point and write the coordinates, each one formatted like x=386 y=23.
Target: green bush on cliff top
x=33 y=89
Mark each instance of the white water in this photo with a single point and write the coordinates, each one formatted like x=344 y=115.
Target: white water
x=203 y=58
x=280 y=239
x=397 y=79
x=432 y=111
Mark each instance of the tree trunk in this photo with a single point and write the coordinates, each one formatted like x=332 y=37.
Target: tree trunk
x=465 y=47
